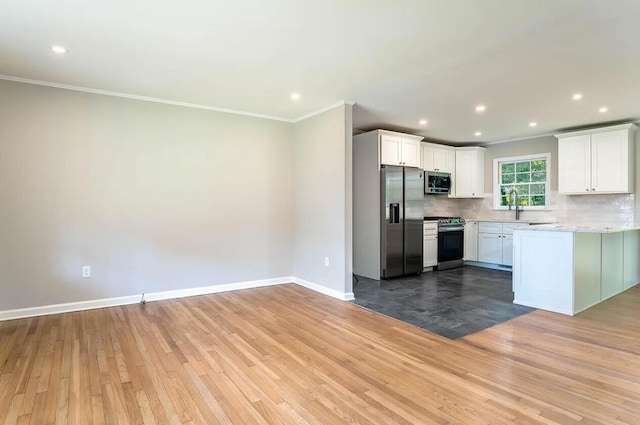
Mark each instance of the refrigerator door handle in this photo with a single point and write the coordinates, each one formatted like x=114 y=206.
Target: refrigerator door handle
x=394 y=211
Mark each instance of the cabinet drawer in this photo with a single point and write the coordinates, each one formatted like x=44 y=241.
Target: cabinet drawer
x=490 y=227
x=430 y=228
x=507 y=228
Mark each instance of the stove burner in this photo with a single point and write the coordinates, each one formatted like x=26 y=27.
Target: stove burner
x=447 y=221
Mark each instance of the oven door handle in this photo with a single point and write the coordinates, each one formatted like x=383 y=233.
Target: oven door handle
x=450 y=229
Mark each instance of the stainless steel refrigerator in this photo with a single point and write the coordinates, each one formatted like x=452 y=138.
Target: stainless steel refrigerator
x=402 y=198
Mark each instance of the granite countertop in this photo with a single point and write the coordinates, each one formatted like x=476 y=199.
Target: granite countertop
x=506 y=220
x=596 y=227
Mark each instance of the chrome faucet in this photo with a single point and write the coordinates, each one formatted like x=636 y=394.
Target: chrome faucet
x=515 y=202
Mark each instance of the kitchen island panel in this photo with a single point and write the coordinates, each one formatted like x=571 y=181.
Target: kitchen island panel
x=631 y=274
x=568 y=271
x=540 y=272
x=613 y=257
x=587 y=264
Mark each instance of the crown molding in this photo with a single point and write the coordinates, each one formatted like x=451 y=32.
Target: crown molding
x=143 y=98
x=325 y=109
x=171 y=102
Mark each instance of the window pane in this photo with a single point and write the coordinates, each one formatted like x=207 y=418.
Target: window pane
x=539 y=165
x=508 y=178
x=537 y=200
x=539 y=176
x=537 y=189
x=508 y=167
x=528 y=178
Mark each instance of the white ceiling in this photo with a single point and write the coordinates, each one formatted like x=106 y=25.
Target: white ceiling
x=400 y=60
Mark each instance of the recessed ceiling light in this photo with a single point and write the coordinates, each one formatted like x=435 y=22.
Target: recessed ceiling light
x=480 y=108
x=477 y=133
x=533 y=124
x=295 y=96
x=577 y=96
x=59 y=49
x=423 y=122
x=603 y=109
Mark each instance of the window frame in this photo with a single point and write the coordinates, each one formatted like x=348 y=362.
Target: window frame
x=496 y=180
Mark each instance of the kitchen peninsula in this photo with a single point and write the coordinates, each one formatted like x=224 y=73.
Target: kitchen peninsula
x=567 y=268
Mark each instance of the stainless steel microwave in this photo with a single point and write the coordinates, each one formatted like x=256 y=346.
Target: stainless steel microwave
x=437 y=183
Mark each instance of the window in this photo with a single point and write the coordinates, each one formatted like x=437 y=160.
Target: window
x=528 y=176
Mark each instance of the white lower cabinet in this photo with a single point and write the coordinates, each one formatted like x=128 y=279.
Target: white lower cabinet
x=507 y=250
x=490 y=248
x=430 y=244
x=495 y=242
x=471 y=241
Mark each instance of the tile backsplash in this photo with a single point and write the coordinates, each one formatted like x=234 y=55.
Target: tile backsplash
x=563 y=208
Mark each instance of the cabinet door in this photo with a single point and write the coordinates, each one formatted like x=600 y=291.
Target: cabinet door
x=430 y=250
x=490 y=248
x=507 y=250
x=610 y=161
x=464 y=183
x=477 y=173
x=574 y=164
x=435 y=159
x=440 y=159
x=390 y=150
x=449 y=164
x=428 y=159
x=410 y=153
x=469 y=179
x=471 y=241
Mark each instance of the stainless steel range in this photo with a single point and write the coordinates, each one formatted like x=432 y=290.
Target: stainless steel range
x=450 y=242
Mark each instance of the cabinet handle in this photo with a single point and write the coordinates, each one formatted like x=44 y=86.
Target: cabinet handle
x=593 y=189
x=587 y=190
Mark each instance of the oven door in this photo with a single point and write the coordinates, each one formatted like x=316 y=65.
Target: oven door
x=450 y=244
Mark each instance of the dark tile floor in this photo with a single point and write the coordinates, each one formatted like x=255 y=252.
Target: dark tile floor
x=452 y=303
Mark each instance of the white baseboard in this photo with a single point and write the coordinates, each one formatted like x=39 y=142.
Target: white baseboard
x=166 y=295
x=67 y=307
x=342 y=296
x=204 y=290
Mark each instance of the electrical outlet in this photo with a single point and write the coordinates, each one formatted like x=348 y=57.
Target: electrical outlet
x=326 y=261
x=86 y=271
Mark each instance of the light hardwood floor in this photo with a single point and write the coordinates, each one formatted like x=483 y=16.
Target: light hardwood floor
x=286 y=355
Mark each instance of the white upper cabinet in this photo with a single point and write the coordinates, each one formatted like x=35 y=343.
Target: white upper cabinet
x=574 y=164
x=469 y=175
x=612 y=161
x=438 y=158
x=596 y=161
x=399 y=149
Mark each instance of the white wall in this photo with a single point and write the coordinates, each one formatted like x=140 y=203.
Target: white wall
x=154 y=197
x=322 y=199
